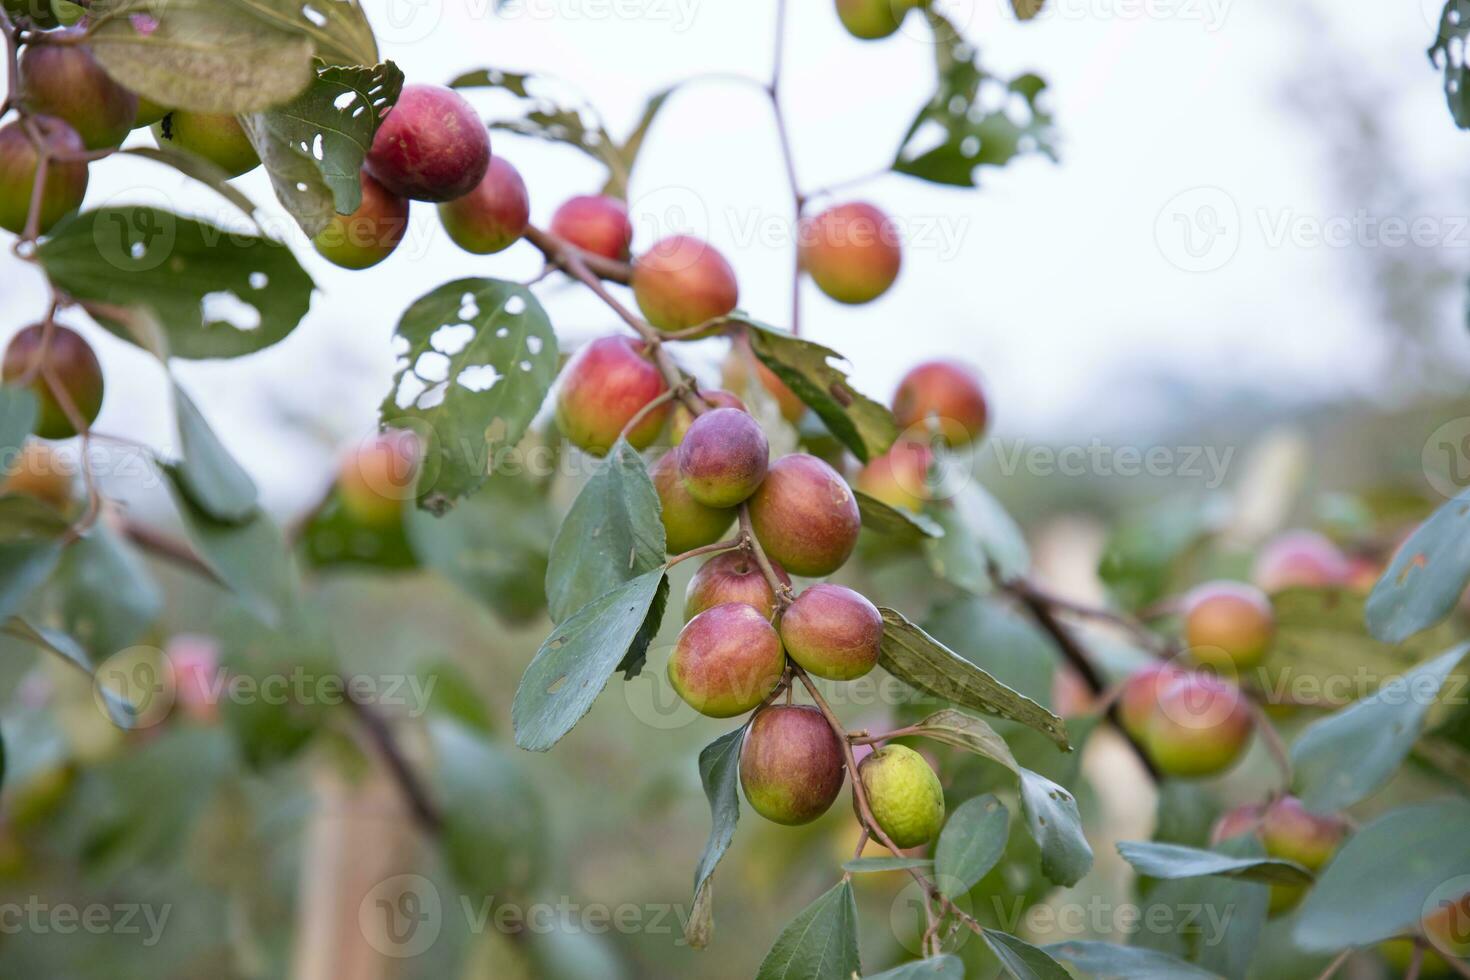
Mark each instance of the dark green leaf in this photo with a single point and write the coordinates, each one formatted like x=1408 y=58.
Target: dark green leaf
x=207 y=474
x=17 y=419
x=1377 y=885
x=944 y=967
x=313 y=146
x=869 y=865
x=201 y=54
x=1022 y=960
x=1056 y=826
x=974 y=134
x=1107 y=961
x=1172 y=861
x=579 y=656
x=820 y=943
x=900 y=525
x=980 y=541
x=973 y=840
x=334 y=538
x=478 y=356
x=809 y=370
x=922 y=662
x=1447 y=54
x=719 y=771
x=1428 y=573
x=612 y=534
x=215 y=293
x=1341 y=759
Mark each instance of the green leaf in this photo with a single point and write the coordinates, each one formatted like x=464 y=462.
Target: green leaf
x=185 y=273
x=1056 y=826
x=869 y=865
x=1022 y=960
x=1341 y=759
x=1229 y=916
x=980 y=541
x=1447 y=53
x=494 y=820
x=963 y=731
x=200 y=168
x=24 y=516
x=1173 y=861
x=478 y=356
x=975 y=132
x=58 y=644
x=17 y=419
x=891 y=522
x=201 y=55
x=338 y=29
x=313 y=146
x=1379 y=881
x=863 y=425
x=973 y=840
x=249 y=557
x=719 y=771
x=924 y=663
x=25 y=563
x=1145 y=552
x=494 y=545
x=108 y=596
x=207 y=474
x=944 y=967
x=334 y=538
x=1428 y=573
x=612 y=534
x=579 y=656
x=820 y=943
x=1113 y=962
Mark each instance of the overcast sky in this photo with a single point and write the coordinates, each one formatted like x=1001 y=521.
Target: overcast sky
x=1180 y=235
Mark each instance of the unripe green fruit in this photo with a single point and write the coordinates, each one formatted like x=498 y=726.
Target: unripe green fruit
x=723 y=457
x=873 y=19
x=216 y=136
x=726 y=660
x=682 y=282
x=66 y=183
x=1399 y=953
x=900 y=477
x=805 y=516
x=149 y=112
x=943 y=395
x=904 y=794
x=791 y=764
x=595 y=223
x=69 y=360
x=368 y=235
x=431 y=146
x=851 y=251
x=1200 y=726
x=65 y=81
x=493 y=216
x=377 y=477
x=732 y=576
x=1228 y=625
x=833 y=632
x=688 y=524
x=683 y=418
x=602 y=388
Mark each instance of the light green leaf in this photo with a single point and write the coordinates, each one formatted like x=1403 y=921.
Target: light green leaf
x=58 y=644
x=108 y=596
x=973 y=840
x=969 y=733
x=1428 y=574
x=1174 y=861
x=891 y=522
x=820 y=943
x=1056 y=826
x=1022 y=960
x=868 y=865
x=944 y=967
x=207 y=474
x=17 y=419
x=719 y=771
x=980 y=541
x=25 y=563
x=1108 y=961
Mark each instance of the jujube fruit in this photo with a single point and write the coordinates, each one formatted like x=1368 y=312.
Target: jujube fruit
x=732 y=576
x=726 y=660
x=595 y=223
x=66 y=182
x=688 y=524
x=791 y=764
x=900 y=477
x=946 y=396
x=37 y=471
x=851 y=251
x=805 y=516
x=216 y=136
x=723 y=457
x=368 y=235
x=1200 y=726
x=833 y=632
x=71 y=363
x=605 y=384
x=872 y=19
x=430 y=146
x=682 y=282
x=493 y=216
x=904 y=794
x=1293 y=833
x=65 y=81
x=377 y=477
x=683 y=418
x=1300 y=559
x=1228 y=625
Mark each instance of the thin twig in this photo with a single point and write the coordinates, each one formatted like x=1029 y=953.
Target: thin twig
x=420 y=803
x=728 y=545
x=1335 y=965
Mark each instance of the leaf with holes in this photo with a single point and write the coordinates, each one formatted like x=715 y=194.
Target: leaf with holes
x=477 y=357
x=719 y=771
x=201 y=55
x=574 y=664
x=891 y=522
x=338 y=29
x=1427 y=576
x=1175 y=861
x=314 y=145
x=206 y=472
x=1056 y=826
x=974 y=119
x=863 y=425
x=973 y=840
x=1447 y=53
x=613 y=533
x=922 y=662
x=215 y=293
x=820 y=943
x=1339 y=760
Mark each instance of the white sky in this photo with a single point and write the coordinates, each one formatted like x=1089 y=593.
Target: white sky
x=1052 y=280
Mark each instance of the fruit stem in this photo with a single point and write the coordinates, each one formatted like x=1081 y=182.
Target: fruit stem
x=1274 y=744
x=1335 y=965
x=727 y=545
x=782 y=591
